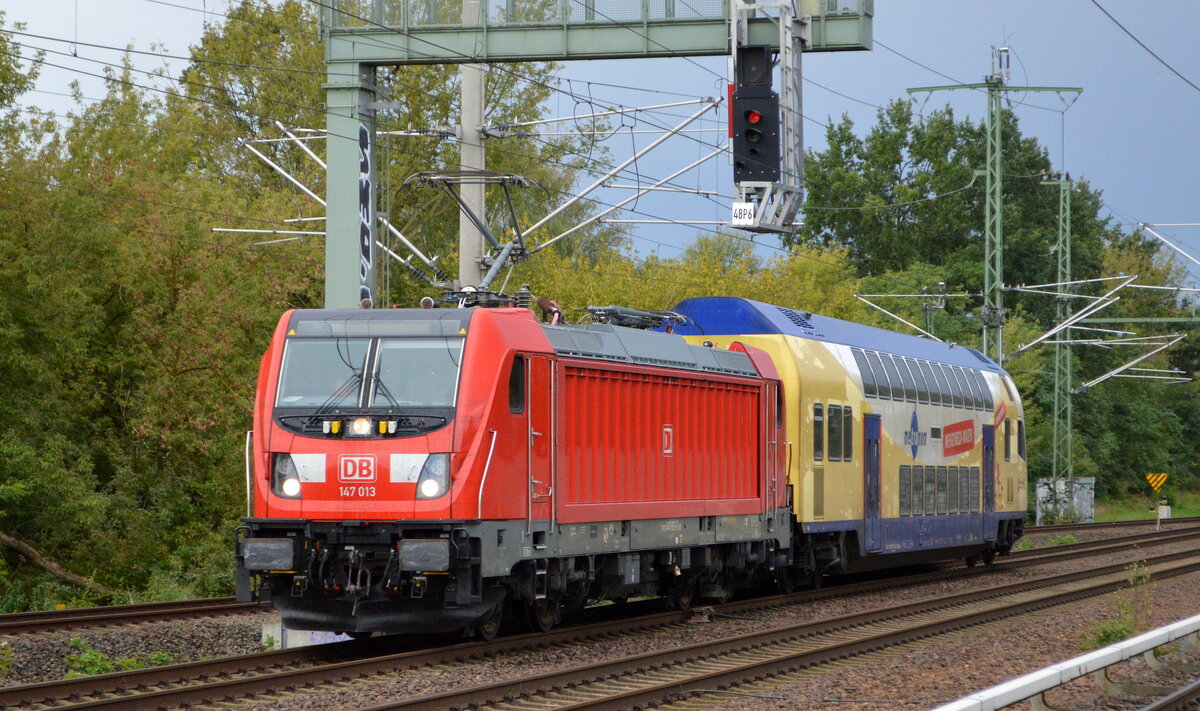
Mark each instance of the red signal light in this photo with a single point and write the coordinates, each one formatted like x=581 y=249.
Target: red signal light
x=753 y=117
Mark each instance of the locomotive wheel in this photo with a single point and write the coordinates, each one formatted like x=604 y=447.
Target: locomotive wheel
x=487 y=627
x=972 y=561
x=989 y=556
x=542 y=614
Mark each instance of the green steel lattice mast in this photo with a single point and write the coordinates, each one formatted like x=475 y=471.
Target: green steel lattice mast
x=996 y=85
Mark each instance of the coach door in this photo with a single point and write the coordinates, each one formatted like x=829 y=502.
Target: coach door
x=541 y=445
x=989 y=482
x=871 y=482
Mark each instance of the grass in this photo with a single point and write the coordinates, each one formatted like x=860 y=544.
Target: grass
x=1145 y=507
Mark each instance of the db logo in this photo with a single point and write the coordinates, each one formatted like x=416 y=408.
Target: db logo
x=356 y=468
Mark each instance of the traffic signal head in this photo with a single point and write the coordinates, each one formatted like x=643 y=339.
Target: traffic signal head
x=756 y=137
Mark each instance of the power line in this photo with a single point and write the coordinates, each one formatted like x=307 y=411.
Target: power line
x=1143 y=46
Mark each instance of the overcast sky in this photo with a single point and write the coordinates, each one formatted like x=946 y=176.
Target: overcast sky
x=1131 y=133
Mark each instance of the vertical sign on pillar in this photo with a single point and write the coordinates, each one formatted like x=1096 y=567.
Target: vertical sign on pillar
x=350 y=186
x=366 y=213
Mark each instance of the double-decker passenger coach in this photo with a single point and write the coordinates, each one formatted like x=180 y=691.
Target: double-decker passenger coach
x=901 y=449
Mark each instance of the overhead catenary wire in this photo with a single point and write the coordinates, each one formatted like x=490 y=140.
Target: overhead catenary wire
x=1144 y=46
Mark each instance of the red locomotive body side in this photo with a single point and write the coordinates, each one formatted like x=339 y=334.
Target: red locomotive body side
x=636 y=440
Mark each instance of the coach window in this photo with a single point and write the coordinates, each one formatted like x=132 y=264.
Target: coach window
x=968 y=393
x=905 y=489
x=835 y=433
x=1021 y=438
x=818 y=432
x=974 y=399
x=941 y=489
x=943 y=386
x=974 y=489
x=885 y=385
x=935 y=395
x=516 y=385
x=930 y=491
x=955 y=389
x=964 y=489
x=893 y=375
x=952 y=491
x=847 y=433
x=918 y=491
x=910 y=384
x=988 y=404
x=922 y=386
x=864 y=369
x=978 y=386
x=1008 y=439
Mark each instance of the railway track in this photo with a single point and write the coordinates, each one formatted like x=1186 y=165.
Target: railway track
x=24 y=622
x=206 y=682
x=1187 y=520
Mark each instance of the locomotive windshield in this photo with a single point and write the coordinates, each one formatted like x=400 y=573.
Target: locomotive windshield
x=328 y=373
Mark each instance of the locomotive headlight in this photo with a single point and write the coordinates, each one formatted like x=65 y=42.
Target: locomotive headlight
x=291 y=487
x=360 y=427
x=285 y=478
x=434 y=480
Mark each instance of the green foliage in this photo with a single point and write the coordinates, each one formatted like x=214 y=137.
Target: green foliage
x=1065 y=539
x=1131 y=614
x=6 y=659
x=89 y=661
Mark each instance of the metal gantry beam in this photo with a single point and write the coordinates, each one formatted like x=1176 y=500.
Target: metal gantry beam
x=364 y=35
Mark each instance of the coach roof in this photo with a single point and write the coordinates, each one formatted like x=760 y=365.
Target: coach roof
x=731 y=316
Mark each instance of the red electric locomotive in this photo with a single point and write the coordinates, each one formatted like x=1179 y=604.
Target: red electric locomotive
x=426 y=469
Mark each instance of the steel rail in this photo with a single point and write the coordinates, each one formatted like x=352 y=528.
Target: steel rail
x=1106 y=524
x=287 y=668
x=1182 y=699
x=22 y=622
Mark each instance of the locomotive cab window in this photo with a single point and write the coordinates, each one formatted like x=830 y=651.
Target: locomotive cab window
x=417 y=372
x=322 y=372
x=818 y=432
x=516 y=385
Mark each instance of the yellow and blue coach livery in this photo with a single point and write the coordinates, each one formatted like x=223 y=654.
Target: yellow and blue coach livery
x=900 y=449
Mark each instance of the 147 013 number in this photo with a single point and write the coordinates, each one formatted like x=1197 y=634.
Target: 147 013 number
x=356 y=490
